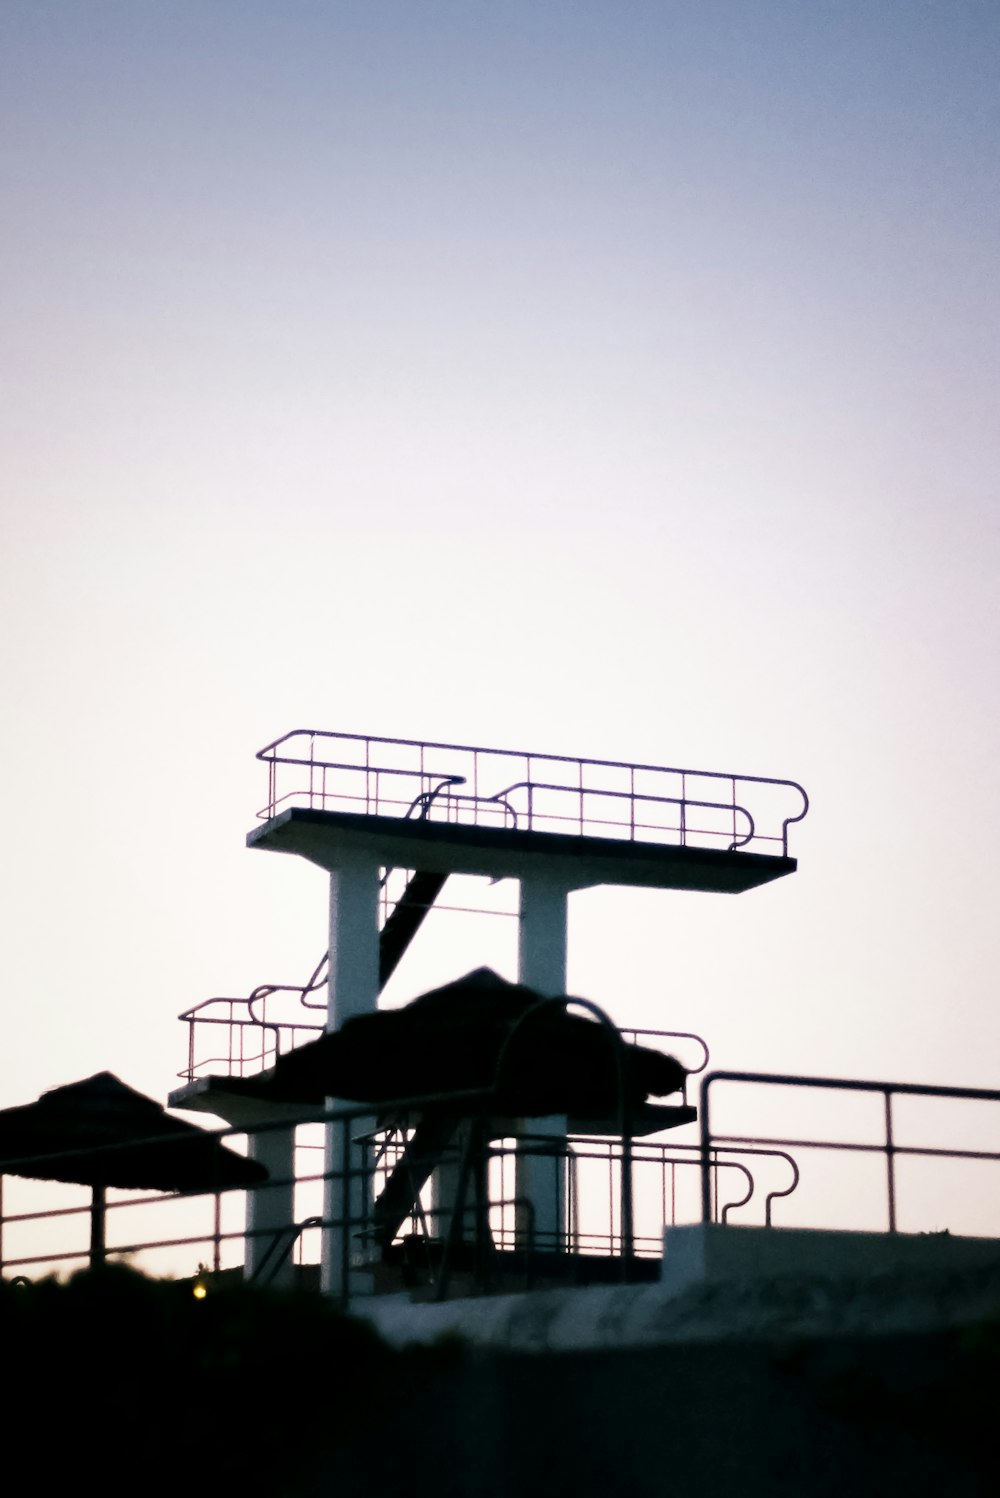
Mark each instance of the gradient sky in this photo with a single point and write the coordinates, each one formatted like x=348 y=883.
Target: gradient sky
x=605 y=378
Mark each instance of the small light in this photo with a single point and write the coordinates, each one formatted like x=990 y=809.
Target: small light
x=199 y=1291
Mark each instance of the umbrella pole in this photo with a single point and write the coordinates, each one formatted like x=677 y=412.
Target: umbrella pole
x=97 y=1212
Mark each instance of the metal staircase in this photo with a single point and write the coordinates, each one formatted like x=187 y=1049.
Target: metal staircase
x=405 y=919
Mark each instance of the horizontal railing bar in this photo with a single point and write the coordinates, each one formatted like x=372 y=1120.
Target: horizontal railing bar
x=735 y=1141
x=484 y=803
x=266 y=756
x=851 y=1084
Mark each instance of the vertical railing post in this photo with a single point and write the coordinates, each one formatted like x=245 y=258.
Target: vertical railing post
x=628 y=1206
x=217 y=1234
x=706 y=1155
x=890 y=1160
x=343 y=1199
x=573 y=1178
x=98 y=1214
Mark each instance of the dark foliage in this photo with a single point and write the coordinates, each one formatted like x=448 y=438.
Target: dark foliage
x=134 y=1385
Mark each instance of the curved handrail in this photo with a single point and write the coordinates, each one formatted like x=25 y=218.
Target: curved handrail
x=790 y=820
x=426 y=798
x=281 y=1245
x=268 y=990
x=259 y=994
x=632 y=797
x=692 y=1071
x=317 y=979
x=771 y=1196
x=497 y=800
x=729 y=1206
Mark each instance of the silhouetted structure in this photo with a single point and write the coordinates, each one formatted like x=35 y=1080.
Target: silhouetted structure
x=101 y=1133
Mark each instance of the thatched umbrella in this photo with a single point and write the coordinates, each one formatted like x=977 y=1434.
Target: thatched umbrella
x=101 y=1133
x=452 y=1040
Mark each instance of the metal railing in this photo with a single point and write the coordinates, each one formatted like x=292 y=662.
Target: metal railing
x=595 y=1228
x=253 y=1031
x=655 y=1168
x=497 y=1238
x=888 y=1146
x=736 y=1172
x=527 y=791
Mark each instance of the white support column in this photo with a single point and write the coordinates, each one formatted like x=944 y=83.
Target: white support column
x=353 y=990
x=271 y=1210
x=541 y=965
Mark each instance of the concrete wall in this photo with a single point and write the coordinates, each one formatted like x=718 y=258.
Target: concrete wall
x=813 y=1419
x=724 y=1283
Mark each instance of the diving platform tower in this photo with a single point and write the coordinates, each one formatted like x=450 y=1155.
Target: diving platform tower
x=358 y=807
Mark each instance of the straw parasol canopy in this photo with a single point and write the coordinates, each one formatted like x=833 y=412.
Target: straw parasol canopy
x=468 y=1036
x=101 y=1133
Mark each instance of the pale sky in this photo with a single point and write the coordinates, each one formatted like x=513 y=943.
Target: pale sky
x=614 y=379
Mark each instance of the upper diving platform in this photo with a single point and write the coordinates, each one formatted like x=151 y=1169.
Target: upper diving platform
x=457 y=809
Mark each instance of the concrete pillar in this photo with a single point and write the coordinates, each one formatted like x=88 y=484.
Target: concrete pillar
x=353 y=990
x=271 y=1210
x=541 y=965
x=353 y=982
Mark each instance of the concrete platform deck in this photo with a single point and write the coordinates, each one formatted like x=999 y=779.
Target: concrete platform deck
x=328 y=838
